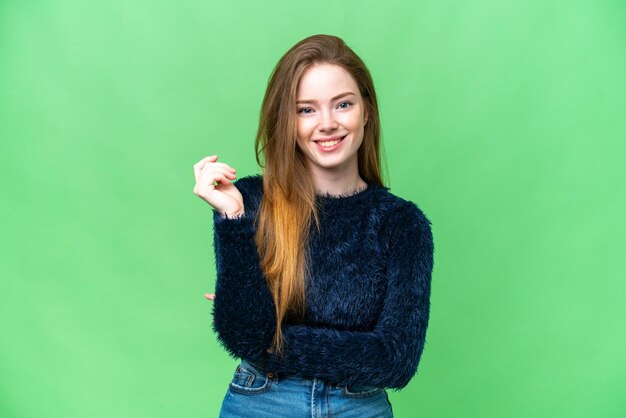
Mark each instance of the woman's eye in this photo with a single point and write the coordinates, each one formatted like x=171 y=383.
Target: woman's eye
x=308 y=110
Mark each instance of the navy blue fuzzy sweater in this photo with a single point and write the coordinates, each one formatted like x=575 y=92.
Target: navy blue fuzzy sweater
x=368 y=293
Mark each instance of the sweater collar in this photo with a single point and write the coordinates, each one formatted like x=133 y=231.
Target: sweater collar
x=350 y=197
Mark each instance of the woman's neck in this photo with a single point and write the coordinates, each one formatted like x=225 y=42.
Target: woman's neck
x=339 y=185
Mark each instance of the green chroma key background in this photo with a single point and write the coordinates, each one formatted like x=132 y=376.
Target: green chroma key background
x=504 y=121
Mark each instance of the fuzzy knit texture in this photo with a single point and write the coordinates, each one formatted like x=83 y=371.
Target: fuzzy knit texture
x=367 y=295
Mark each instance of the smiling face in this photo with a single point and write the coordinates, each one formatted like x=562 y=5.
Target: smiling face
x=330 y=108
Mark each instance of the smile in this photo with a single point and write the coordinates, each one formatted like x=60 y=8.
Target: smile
x=330 y=145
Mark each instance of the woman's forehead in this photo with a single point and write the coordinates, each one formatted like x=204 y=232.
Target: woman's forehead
x=325 y=82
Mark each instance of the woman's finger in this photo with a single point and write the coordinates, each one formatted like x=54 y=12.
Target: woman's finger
x=197 y=167
x=222 y=165
x=220 y=177
x=208 y=177
x=201 y=169
x=213 y=170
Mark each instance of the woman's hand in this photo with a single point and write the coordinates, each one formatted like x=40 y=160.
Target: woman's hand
x=224 y=197
x=210 y=296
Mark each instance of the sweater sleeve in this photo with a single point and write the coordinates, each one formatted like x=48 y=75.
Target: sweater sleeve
x=243 y=309
x=388 y=355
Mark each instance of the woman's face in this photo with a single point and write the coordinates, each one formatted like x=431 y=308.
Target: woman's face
x=330 y=107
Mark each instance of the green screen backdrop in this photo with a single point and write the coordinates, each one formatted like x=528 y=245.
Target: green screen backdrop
x=505 y=121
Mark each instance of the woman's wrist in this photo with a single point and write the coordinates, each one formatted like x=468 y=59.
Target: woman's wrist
x=233 y=215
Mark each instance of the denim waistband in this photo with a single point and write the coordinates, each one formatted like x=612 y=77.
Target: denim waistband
x=259 y=364
x=263 y=368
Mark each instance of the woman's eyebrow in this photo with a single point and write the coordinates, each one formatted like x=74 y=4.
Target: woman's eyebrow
x=334 y=98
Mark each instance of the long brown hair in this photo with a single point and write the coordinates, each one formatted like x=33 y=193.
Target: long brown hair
x=288 y=204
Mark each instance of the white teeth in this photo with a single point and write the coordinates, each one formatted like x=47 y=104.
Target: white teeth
x=329 y=144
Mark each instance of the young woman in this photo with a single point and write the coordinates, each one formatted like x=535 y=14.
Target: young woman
x=323 y=275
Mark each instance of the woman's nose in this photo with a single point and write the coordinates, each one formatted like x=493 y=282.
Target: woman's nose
x=327 y=121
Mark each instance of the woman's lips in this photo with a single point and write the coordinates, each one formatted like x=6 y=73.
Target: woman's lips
x=329 y=149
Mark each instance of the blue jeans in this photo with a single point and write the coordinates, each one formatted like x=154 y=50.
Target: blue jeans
x=258 y=393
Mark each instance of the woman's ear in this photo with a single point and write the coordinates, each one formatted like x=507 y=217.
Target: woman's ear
x=365 y=117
